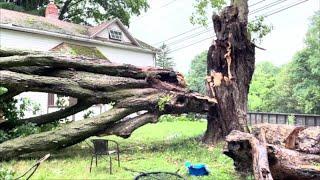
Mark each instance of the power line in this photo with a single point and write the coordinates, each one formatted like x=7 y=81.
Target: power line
x=256 y=3
x=190 y=36
x=266 y=15
x=280 y=10
x=202 y=32
x=165 y=5
x=168 y=4
x=191 y=44
x=173 y=37
x=186 y=32
x=267 y=6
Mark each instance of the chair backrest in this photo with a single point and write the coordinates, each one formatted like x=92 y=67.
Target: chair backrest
x=100 y=146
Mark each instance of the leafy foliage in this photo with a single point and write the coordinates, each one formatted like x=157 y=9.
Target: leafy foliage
x=163 y=60
x=203 y=8
x=184 y=117
x=84 y=11
x=203 y=11
x=295 y=87
x=196 y=75
x=258 y=29
x=262 y=87
x=162 y=101
x=88 y=114
x=6 y=174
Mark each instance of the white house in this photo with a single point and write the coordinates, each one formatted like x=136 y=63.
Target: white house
x=110 y=40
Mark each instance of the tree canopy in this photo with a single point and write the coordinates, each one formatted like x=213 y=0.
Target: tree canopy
x=83 y=11
x=197 y=73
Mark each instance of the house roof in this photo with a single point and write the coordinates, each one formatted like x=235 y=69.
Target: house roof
x=79 y=50
x=23 y=20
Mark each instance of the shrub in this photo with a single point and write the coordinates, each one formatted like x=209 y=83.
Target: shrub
x=184 y=117
x=6 y=174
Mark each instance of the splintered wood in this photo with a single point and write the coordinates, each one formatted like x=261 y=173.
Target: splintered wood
x=276 y=152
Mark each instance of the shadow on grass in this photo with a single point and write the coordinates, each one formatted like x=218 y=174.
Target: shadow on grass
x=82 y=150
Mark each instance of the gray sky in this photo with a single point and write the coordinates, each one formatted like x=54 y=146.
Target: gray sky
x=167 y=18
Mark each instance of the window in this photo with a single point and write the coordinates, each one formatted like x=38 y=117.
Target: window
x=115 y=35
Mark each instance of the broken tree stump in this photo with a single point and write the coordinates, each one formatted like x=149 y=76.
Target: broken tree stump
x=264 y=152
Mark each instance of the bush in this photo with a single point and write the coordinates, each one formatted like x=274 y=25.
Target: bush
x=4 y=136
x=24 y=130
x=184 y=117
x=6 y=174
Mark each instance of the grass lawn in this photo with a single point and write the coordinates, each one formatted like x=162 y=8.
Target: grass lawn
x=165 y=146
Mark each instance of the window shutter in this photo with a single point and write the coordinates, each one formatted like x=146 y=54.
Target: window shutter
x=50 y=99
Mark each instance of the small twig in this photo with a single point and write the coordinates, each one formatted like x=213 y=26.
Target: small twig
x=259 y=47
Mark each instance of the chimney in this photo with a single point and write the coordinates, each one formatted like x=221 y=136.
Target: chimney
x=52 y=11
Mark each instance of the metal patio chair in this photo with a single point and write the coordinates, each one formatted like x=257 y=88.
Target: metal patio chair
x=101 y=148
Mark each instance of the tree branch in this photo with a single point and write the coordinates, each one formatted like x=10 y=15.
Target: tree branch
x=64 y=136
x=126 y=127
x=50 y=117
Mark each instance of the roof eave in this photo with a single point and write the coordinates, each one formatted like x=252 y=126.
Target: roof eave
x=76 y=38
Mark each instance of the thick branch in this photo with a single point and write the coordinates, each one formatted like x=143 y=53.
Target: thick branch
x=51 y=117
x=101 y=66
x=126 y=127
x=64 y=136
x=95 y=81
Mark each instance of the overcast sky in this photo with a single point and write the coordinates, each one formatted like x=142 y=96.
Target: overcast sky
x=167 y=18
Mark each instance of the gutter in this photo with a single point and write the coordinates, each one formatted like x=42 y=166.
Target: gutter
x=75 y=38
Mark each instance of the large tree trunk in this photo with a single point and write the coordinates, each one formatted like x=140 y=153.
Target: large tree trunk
x=278 y=154
x=91 y=81
x=230 y=65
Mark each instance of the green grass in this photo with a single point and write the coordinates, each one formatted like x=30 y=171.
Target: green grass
x=155 y=147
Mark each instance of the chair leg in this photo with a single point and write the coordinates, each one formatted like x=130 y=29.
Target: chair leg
x=91 y=163
x=96 y=160
x=110 y=165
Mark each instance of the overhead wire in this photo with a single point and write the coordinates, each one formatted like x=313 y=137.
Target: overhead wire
x=196 y=28
x=165 y=5
x=199 y=27
x=267 y=6
x=265 y=15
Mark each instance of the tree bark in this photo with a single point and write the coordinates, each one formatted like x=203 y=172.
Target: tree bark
x=230 y=68
x=92 y=81
x=245 y=149
x=63 y=137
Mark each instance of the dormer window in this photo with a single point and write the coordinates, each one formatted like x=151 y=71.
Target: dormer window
x=115 y=35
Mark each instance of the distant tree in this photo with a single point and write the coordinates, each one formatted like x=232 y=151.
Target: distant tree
x=305 y=70
x=163 y=60
x=262 y=87
x=295 y=87
x=283 y=100
x=83 y=11
x=197 y=73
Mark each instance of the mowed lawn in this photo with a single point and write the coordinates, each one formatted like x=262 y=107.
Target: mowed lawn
x=165 y=146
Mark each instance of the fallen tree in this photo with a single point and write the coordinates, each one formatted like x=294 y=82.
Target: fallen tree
x=92 y=81
x=274 y=152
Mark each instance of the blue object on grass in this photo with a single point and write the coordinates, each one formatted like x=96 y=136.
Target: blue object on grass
x=197 y=169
